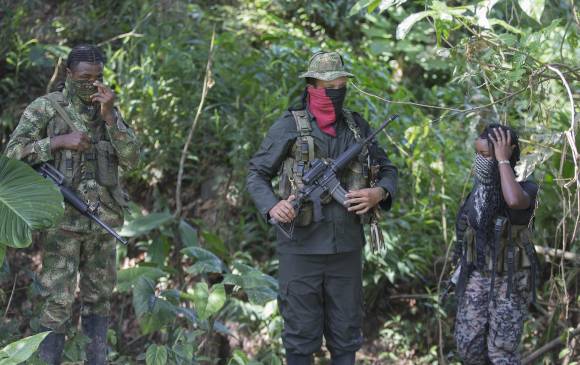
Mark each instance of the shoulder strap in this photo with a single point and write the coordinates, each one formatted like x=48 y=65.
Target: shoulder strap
x=305 y=147
x=55 y=101
x=354 y=128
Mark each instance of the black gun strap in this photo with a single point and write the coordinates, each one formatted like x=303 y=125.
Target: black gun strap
x=495 y=246
x=510 y=262
x=533 y=257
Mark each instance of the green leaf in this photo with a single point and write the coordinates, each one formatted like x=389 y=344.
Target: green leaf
x=188 y=234
x=208 y=302
x=2 y=254
x=200 y=298
x=156 y=355
x=533 y=8
x=143 y=296
x=216 y=300
x=27 y=202
x=386 y=4
x=360 y=5
x=206 y=262
x=214 y=243
x=127 y=278
x=261 y=295
x=405 y=26
x=142 y=225
x=19 y=351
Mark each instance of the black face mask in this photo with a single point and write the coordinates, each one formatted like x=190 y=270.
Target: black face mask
x=337 y=97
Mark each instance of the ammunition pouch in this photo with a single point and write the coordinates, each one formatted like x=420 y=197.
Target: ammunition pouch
x=521 y=259
x=355 y=176
x=107 y=173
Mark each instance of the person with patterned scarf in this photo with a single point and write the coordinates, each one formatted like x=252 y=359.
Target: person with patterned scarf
x=496 y=263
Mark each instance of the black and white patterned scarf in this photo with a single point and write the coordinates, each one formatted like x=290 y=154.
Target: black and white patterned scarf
x=484 y=206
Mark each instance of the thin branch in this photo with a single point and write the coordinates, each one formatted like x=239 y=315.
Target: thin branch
x=566 y=255
x=207 y=84
x=11 y=295
x=547 y=347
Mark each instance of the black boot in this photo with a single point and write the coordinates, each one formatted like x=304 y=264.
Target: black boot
x=50 y=349
x=95 y=328
x=294 y=359
x=345 y=358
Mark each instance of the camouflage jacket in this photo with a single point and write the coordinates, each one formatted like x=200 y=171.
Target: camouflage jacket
x=93 y=174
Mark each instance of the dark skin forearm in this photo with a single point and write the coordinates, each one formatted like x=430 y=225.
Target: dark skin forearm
x=513 y=194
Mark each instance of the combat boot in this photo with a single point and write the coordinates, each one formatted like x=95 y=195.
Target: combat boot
x=50 y=349
x=346 y=358
x=294 y=359
x=95 y=328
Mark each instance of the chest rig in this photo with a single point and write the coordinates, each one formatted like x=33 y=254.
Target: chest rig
x=511 y=251
x=356 y=176
x=99 y=164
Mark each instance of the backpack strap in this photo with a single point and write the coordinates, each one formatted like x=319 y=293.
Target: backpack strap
x=55 y=98
x=304 y=147
x=354 y=128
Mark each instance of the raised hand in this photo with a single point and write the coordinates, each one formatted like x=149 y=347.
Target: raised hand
x=106 y=97
x=502 y=144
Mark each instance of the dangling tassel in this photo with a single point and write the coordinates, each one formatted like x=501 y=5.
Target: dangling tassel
x=377 y=239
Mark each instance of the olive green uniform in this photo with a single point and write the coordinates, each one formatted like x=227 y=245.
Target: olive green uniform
x=321 y=267
x=77 y=244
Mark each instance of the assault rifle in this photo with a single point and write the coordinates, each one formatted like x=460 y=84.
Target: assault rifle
x=50 y=172
x=322 y=178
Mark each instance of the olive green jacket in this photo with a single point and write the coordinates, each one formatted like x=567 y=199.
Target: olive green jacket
x=340 y=230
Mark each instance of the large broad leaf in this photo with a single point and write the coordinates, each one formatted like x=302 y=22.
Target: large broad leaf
x=208 y=302
x=27 y=202
x=188 y=234
x=127 y=278
x=156 y=355
x=533 y=8
x=144 y=224
x=152 y=312
x=206 y=262
x=19 y=351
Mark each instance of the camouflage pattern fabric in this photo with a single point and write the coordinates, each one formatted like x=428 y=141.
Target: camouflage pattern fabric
x=326 y=66
x=65 y=254
x=489 y=331
x=40 y=121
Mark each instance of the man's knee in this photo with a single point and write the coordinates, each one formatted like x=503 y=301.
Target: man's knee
x=300 y=307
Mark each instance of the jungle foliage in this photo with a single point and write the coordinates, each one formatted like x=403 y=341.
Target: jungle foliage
x=196 y=283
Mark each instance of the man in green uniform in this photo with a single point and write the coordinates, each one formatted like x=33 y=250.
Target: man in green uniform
x=320 y=272
x=80 y=131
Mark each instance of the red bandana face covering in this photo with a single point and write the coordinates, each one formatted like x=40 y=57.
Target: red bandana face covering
x=326 y=106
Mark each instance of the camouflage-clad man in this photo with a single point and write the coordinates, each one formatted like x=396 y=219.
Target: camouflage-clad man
x=81 y=132
x=497 y=259
x=320 y=269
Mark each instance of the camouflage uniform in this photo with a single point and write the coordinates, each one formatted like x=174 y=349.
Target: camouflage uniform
x=490 y=330
x=78 y=244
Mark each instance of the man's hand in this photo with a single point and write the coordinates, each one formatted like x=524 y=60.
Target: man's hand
x=361 y=201
x=106 y=97
x=502 y=144
x=283 y=212
x=76 y=141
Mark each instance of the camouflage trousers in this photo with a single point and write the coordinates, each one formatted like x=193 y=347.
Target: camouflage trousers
x=65 y=255
x=488 y=331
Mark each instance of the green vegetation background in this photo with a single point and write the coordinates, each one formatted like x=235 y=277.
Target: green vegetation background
x=199 y=284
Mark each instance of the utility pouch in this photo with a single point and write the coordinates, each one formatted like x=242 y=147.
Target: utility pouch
x=107 y=164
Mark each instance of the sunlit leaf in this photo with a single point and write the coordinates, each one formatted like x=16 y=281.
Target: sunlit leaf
x=19 y=351
x=27 y=202
x=533 y=8
x=406 y=25
x=142 y=225
x=156 y=355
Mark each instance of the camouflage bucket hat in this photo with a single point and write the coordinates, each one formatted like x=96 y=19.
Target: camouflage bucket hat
x=326 y=66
